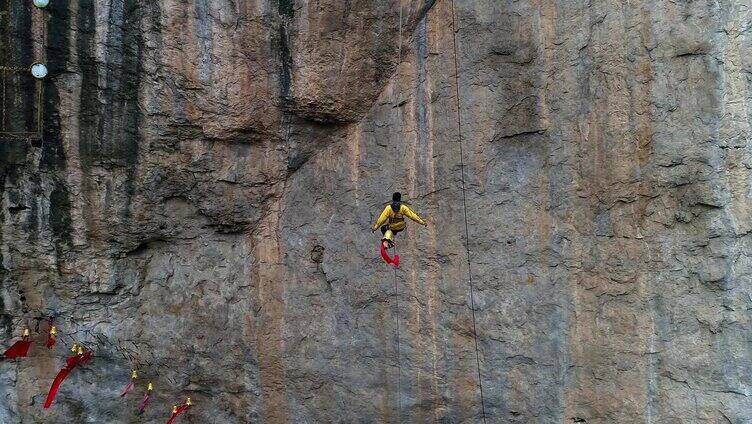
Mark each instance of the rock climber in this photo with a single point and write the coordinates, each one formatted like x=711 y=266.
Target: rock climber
x=391 y=222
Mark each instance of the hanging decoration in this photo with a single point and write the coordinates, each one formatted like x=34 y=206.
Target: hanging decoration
x=82 y=356
x=51 y=337
x=20 y=349
x=147 y=398
x=177 y=410
x=132 y=385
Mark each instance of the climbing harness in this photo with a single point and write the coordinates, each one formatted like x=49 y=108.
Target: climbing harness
x=464 y=205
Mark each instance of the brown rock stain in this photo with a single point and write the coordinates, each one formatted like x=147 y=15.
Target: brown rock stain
x=269 y=273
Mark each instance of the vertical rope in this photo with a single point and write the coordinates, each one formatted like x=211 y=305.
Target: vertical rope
x=40 y=99
x=397 y=80
x=10 y=18
x=396 y=286
x=464 y=206
x=2 y=126
x=399 y=351
x=399 y=59
x=40 y=86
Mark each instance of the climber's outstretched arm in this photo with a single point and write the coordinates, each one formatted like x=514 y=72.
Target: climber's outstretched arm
x=412 y=215
x=382 y=219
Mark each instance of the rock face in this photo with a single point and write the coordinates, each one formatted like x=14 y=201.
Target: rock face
x=200 y=202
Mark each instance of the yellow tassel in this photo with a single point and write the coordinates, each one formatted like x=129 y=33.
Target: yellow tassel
x=80 y=350
x=150 y=387
x=189 y=402
x=53 y=331
x=26 y=333
x=134 y=375
x=174 y=409
x=74 y=348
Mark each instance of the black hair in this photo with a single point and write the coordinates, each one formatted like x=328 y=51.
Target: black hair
x=396 y=201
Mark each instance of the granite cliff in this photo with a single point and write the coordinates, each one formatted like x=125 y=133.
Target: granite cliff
x=199 y=205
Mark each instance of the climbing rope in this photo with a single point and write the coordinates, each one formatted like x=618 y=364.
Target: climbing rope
x=464 y=205
x=396 y=284
x=399 y=57
x=399 y=360
x=399 y=62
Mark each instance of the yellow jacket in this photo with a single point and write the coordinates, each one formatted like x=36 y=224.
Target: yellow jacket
x=397 y=219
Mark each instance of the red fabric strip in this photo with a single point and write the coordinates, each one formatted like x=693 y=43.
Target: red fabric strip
x=181 y=409
x=172 y=418
x=144 y=403
x=129 y=388
x=72 y=361
x=20 y=349
x=385 y=255
x=56 y=386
